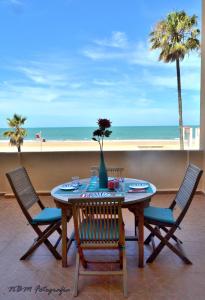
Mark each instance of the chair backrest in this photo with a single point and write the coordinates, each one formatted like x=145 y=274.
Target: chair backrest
x=23 y=189
x=98 y=220
x=111 y=171
x=188 y=188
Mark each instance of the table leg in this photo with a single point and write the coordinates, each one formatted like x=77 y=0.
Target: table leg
x=64 y=237
x=141 y=236
x=138 y=211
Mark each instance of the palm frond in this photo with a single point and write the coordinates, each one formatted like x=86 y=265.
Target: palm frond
x=175 y=36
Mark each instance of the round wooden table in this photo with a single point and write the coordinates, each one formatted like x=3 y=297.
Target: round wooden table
x=135 y=202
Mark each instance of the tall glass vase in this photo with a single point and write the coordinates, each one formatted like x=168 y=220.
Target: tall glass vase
x=103 y=179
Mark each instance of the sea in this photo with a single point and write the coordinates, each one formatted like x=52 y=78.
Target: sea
x=118 y=133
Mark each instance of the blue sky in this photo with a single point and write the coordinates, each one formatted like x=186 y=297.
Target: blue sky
x=69 y=62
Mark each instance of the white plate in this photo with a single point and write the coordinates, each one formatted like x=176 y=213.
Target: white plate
x=67 y=187
x=139 y=185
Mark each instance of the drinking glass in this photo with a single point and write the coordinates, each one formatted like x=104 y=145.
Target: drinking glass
x=94 y=175
x=121 y=187
x=75 y=181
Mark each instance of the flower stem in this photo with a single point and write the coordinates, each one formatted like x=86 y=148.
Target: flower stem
x=102 y=142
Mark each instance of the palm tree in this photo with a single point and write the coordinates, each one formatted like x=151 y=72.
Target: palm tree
x=18 y=133
x=176 y=36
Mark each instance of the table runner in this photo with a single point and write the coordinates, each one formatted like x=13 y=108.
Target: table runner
x=93 y=186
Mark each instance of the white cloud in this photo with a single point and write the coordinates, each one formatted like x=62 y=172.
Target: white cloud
x=142 y=55
x=13 y=2
x=193 y=60
x=143 y=116
x=130 y=52
x=134 y=53
x=189 y=81
x=46 y=73
x=102 y=54
x=144 y=102
x=106 y=83
x=118 y=40
x=21 y=93
x=41 y=76
x=16 y=5
x=56 y=86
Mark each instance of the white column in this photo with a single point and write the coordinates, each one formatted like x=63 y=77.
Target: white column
x=190 y=137
x=202 y=101
x=196 y=139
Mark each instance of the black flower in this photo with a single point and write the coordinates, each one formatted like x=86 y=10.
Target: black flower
x=101 y=132
x=104 y=123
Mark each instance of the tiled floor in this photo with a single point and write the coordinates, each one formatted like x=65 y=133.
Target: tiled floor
x=167 y=278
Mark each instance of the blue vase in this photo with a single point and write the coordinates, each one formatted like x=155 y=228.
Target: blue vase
x=103 y=179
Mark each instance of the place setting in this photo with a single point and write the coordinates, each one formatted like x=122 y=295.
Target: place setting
x=75 y=186
x=138 y=187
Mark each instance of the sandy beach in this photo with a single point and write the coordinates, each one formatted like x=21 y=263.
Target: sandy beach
x=38 y=146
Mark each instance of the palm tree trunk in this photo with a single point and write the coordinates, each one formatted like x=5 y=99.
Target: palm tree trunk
x=19 y=148
x=180 y=105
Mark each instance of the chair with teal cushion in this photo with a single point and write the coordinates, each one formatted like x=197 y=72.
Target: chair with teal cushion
x=98 y=225
x=50 y=216
x=158 y=219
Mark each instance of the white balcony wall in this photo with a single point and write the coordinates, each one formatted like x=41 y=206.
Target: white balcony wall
x=202 y=102
x=165 y=169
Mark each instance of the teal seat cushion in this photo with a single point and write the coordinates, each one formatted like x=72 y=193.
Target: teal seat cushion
x=49 y=214
x=159 y=214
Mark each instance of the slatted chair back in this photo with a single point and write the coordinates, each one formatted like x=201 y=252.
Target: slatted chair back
x=98 y=222
x=23 y=190
x=187 y=189
x=98 y=225
x=111 y=171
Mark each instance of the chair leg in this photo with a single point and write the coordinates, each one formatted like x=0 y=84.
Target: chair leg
x=82 y=258
x=42 y=238
x=174 y=237
x=29 y=251
x=52 y=249
x=47 y=242
x=60 y=233
x=165 y=241
x=69 y=243
x=57 y=242
x=136 y=224
x=124 y=273
x=148 y=239
x=76 y=277
x=121 y=257
x=36 y=245
x=158 y=249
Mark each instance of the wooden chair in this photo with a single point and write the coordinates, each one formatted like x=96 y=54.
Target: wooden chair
x=163 y=218
x=111 y=171
x=98 y=225
x=27 y=197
